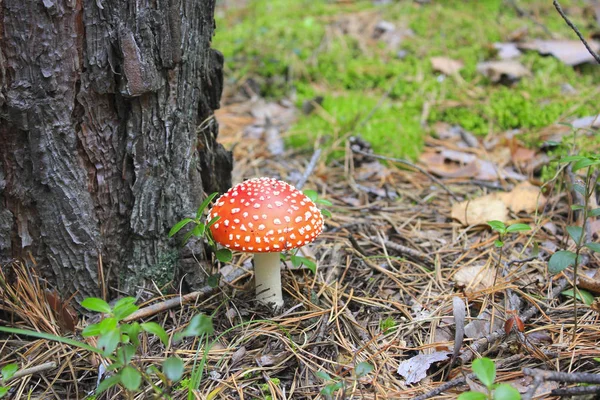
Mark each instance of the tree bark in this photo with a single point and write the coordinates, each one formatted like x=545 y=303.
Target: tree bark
x=107 y=136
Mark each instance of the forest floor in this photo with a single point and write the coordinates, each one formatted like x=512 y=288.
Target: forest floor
x=408 y=267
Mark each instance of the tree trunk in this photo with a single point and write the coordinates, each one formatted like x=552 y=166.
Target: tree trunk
x=107 y=136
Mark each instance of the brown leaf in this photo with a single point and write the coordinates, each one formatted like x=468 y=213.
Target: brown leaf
x=445 y=65
x=65 y=314
x=480 y=211
x=570 y=52
x=497 y=71
x=524 y=197
x=475 y=278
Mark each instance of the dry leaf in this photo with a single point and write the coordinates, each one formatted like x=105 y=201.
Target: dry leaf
x=480 y=211
x=503 y=70
x=415 y=369
x=570 y=52
x=481 y=326
x=459 y=310
x=445 y=65
x=475 y=277
x=507 y=50
x=524 y=197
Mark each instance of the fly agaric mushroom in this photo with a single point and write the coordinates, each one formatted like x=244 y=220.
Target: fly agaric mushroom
x=265 y=216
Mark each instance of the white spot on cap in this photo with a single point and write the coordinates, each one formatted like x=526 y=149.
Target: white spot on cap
x=243 y=228
x=256 y=205
x=278 y=203
x=257 y=239
x=261 y=227
x=226 y=222
x=275 y=246
x=235 y=210
x=255 y=217
x=298 y=219
x=307 y=215
x=277 y=221
x=286 y=218
x=264 y=216
x=292 y=236
x=231 y=236
x=245 y=214
x=216 y=225
x=238 y=237
x=247 y=239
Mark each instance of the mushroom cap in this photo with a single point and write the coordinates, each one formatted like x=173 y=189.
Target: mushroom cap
x=265 y=215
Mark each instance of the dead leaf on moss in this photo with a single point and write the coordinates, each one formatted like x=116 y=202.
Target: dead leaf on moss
x=445 y=65
x=570 y=52
x=507 y=50
x=475 y=278
x=503 y=70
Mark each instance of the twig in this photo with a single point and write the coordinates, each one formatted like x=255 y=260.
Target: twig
x=557 y=376
x=179 y=300
x=402 y=249
x=309 y=169
x=462 y=380
x=572 y=26
x=576 y=391
x=523 y=261
x=33 y=370
x=410 y=165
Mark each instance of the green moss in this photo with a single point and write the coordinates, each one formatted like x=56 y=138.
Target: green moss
x=295 y=45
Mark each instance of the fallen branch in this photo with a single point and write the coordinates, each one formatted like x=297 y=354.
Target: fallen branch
x=33 y=370
x=309 y=169
x=576 y=391
x=187 y=298
x=557 y=376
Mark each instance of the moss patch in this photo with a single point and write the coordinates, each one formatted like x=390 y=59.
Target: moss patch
x=299 y=46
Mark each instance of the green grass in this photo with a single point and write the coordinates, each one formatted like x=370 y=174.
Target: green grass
x=295 y=46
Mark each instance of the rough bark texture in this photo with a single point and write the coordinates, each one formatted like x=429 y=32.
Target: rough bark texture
x=106 y=135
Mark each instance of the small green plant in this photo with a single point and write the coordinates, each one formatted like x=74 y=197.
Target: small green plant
x=503 y=230
x=201 y=229
x=7 y=372
x=563 y=259
x=485 y=370
x=387 y=324
x=119 y=342
x=333 y=385
x=314 y=196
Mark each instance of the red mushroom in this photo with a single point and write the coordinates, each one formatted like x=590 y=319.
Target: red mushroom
x=265 y=216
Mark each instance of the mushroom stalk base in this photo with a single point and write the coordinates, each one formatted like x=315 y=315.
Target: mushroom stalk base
x=267 y=276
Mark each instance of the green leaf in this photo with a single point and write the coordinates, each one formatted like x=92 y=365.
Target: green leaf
x=177 y=227
x=126 y=353
x=595 y=212
x=108 y=383
x=472 y=396
x=560 y=260
x=96 y=304
x=330 y=389
x=157 y=330
x=518 y=228
x=130 y=378
x=109 y=341
x=586 y=162
x=205 y=204
x=582 y=295
x=326 y=213
x=362 y=369
x=3 y=391
x=224 y=255
x=485 y=370
x=107 y=324
x=199 y=325
x=311 y=194
x=132 y=330
x=308 y=263
x=595 y=247
x=213 y=221
x=570 y=159
x=124 y=310
x=506 y=392
x=498 y=243
x=173 y=368
x=324 y=202
x=323 y=375
x=575 y=207
x=199 y=229
x=497 y=226
x=579 y=189
x=575 y=232
x=9 y=370
x=213 y=280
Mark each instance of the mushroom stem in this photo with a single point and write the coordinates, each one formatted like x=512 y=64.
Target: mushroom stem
x=267 y=277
